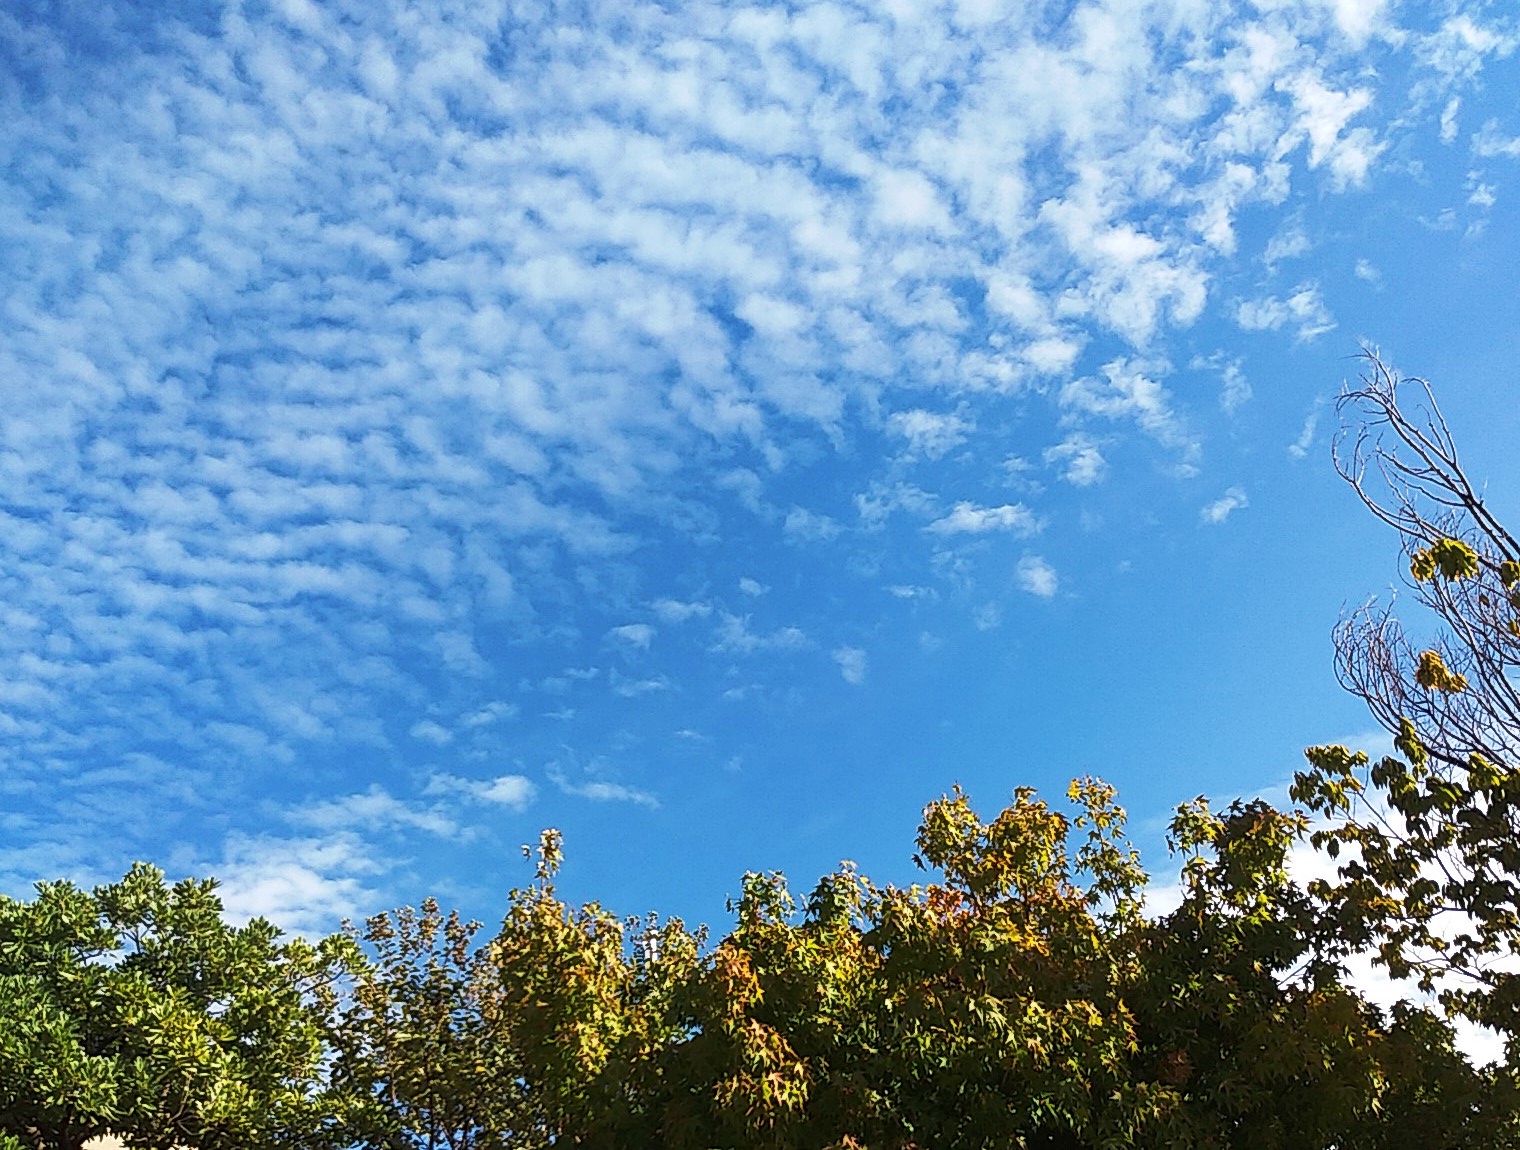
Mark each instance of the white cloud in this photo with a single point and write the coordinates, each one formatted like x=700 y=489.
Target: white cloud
x=752 y=587
x=1034 y=575
x=677 y=611
x=987 y=617
x=601 y=790
x=806 y=526
x=1289 y=244
x=876 y=505
x=1458 y=47
x=1449 y=119
x=1358 y=18
x=509 y=791
x=852 y=664
x=928 y=433
x=1135 y=282
x=907 y=199
x=304 y=886
x=565 y=680
x=1492 y=141
x=1129 y=390
x=1082 y=462
x=1305 y=309
x=883 y=500
x=734 y=634
x=493 y=712
x=431 y=732
x=1235 y=388
x=630 y=688
x=636 y=635
x=1052 y=355
x=966 y=518
x=1218 y=511
x=1323 y=116
x=514 y=791
x=375 y=809
x=1300 y=446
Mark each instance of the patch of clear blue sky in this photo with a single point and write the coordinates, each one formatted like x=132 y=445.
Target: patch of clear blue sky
x=710 y=431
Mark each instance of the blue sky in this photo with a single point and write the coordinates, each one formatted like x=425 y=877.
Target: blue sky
x=711 y=430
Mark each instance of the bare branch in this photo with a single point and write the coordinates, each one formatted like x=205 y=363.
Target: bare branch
x=1398 y=454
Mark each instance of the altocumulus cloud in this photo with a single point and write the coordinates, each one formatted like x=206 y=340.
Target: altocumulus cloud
x=1034 y=575
x=852 y=664
x=1226 y=505
x=369 y=355
x=968 y=519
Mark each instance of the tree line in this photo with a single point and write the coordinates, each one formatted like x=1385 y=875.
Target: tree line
x=1020 y=996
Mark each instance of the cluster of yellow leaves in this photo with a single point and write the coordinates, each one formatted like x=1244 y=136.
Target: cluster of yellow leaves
x=1432 y=673
x=1452 y=558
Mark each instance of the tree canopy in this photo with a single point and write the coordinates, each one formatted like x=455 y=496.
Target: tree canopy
x=134 y=1009
x=1020 y=995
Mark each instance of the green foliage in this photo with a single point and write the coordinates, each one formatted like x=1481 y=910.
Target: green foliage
x=134 y=1009
x=1020 y=997
x=526 y=1039
x=411 y=1040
